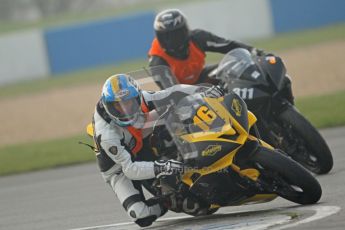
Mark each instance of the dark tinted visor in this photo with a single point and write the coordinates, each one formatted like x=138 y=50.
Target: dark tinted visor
x=173 y=40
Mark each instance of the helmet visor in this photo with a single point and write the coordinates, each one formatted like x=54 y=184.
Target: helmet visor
x=174 y=40
x=124 y=110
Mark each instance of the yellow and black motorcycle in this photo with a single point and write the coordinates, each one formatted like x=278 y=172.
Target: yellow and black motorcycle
x=225 y=163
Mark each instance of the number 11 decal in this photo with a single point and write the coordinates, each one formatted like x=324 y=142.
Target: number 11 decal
x=244 y=93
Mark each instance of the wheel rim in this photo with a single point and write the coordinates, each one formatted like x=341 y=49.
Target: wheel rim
x=281 y=186
x=295 y=147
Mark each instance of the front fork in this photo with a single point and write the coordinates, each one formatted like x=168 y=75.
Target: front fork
x=270 y=129
x=286 y=92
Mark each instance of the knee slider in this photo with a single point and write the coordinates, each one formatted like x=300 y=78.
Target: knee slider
x=138 y=210
x=192 y=207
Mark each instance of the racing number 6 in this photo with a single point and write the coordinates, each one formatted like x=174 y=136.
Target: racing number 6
x=204 y=117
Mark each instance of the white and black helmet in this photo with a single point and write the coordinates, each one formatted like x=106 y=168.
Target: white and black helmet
x=172 y=31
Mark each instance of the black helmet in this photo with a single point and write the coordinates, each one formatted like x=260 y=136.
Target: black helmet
x=172 y=32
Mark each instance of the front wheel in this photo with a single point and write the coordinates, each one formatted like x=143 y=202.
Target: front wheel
x=304 y=142
x=283 y=176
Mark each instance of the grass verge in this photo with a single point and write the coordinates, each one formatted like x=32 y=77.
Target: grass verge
x=303 y=38
x=44 y=155
x=323 y=111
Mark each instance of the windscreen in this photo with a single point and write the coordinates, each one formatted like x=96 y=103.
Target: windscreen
x=182 y=114
x=238 y=64
x=179 y=121
x=149 y=78
x=191 y=115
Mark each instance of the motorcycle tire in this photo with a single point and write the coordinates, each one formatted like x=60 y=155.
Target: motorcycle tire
x=317 y=148
x=286 y=177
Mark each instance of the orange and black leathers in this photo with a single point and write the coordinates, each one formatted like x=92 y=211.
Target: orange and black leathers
x=185 y=69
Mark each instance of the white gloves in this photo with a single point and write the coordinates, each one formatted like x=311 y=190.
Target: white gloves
x=168 y=167
x=214 y=92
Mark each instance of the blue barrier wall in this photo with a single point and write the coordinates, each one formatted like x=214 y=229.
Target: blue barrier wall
x=111 y=41
x=292 y=15
x=99 y=43
x=126 y=38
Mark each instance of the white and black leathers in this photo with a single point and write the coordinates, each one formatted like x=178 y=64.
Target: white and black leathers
x=115 y=159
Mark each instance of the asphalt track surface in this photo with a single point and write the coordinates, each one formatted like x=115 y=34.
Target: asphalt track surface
x=77 y=198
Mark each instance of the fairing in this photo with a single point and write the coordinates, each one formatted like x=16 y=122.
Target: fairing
x=205 y=130
x=240 y=69
x=238 y=65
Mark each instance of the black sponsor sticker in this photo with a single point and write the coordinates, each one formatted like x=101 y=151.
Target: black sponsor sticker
x=113 y=150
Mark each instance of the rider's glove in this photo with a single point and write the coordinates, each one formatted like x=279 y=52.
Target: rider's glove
x=257 y=52
x=214 y=92
x=167 y=167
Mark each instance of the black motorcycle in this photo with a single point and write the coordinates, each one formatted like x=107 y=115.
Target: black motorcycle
x=262 y=82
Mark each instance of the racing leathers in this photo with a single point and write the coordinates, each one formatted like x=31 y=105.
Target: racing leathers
x=192 y=69
x=125 y=158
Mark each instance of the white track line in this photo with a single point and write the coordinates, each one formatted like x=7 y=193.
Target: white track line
x=320 y=212
x=131 y=223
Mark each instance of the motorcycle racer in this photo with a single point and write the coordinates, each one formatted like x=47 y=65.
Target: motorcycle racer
x=122 y=124
x=183 y=50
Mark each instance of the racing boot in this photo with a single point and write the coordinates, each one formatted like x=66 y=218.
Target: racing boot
x=147 y=221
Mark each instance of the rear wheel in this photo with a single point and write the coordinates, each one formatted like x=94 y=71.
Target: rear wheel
x=283 y=176
x=304 y=143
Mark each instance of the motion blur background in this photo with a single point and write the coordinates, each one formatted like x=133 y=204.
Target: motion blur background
x=56 y=54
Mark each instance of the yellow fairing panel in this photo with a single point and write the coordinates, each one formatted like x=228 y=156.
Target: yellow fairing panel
x=251 y=119
x=263 y=143
x=89 y=129
x=251 y=173
x=259 y=198
x=218 y=165
x=215 y=104
x=231 y=126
